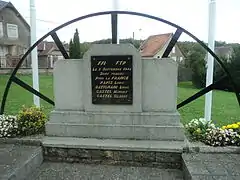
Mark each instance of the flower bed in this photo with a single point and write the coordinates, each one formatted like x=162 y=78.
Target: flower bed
x=29 y=121
x=206 y=132
x=8 y=126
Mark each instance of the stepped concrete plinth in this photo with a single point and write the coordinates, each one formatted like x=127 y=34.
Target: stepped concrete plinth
x=161 y=154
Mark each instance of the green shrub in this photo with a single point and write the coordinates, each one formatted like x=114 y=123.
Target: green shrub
x=31 y=120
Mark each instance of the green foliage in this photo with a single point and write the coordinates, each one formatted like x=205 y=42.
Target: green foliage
x=103 y=41
x=74 y=47
x=31 y=120
x=195 y=59
x=71 y=48
x=220 y=43
x=135 y=42
x=233 y=66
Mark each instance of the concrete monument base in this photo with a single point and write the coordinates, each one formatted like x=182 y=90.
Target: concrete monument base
x=141 y=126
x=161 y=154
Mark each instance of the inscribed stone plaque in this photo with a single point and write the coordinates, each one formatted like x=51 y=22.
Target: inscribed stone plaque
x=112 y=79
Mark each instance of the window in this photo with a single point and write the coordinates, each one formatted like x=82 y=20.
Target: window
x=12 y=31
x=181 y=58
x=60 y=57
x=173 y=50
x=51 y=61
x=1 y=29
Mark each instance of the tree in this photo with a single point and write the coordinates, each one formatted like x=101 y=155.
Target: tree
x=233 y=66
x=71 y=48
x=74 y=47
x=195 y=59
x=198 y=65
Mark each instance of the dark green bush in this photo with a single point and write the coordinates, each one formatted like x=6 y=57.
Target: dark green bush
x=31 y=120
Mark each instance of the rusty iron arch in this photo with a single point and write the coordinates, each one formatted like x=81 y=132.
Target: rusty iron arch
x=114 y=15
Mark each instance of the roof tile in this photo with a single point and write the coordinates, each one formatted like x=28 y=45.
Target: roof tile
x=153 y=44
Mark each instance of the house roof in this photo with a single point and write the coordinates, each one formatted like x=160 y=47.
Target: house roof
x=153 y=44
x=4 y=4
x=46 y=47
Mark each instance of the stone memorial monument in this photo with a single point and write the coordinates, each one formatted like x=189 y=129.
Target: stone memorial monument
x=112 y=93
x=112 y=99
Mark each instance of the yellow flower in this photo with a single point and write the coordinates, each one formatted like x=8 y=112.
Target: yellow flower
x=198 y=130
x=229 y=126
x=224 y=127
x=235 y=126
x=238 y=123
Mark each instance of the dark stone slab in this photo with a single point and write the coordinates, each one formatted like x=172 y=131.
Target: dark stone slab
x=58 y=171
x=196 y=168
x=233 y=168
x=123 y=155
x=216 y=168
x=111 y=157
x=18 y=161
x=144 y=156
x=168 y=157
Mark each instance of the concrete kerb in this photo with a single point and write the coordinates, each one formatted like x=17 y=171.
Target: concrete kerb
x=189 y=147
x=35 y=140
x=199 y=147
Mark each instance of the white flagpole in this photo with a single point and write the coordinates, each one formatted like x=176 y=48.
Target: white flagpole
x=210 y=61
x=116 y=8
x=34 y=55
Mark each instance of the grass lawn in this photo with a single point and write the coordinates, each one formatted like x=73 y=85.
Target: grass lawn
x=225 y=107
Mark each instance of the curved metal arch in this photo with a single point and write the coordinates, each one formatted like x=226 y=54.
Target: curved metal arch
x=12 y=77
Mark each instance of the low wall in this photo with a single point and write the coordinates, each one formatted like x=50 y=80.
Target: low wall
x=25 y=71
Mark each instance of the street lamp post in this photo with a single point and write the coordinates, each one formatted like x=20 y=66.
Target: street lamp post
x=34 y=55
x=210 y=61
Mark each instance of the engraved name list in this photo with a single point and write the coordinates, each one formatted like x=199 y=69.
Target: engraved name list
x=112 y=79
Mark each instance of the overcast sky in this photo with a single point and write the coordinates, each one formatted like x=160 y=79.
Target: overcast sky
x=190 y=14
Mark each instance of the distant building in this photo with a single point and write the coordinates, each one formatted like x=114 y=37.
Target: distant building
x=14 y=36
x=48 y=54
x=154 y=47
x=224 y=52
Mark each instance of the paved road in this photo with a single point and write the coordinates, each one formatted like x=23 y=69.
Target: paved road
x=12 y=160
x=64 y=171
x=215 y=166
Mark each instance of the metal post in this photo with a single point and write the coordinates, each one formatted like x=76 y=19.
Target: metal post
x=34 y=55
x=115 y=8
x=210 y=61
